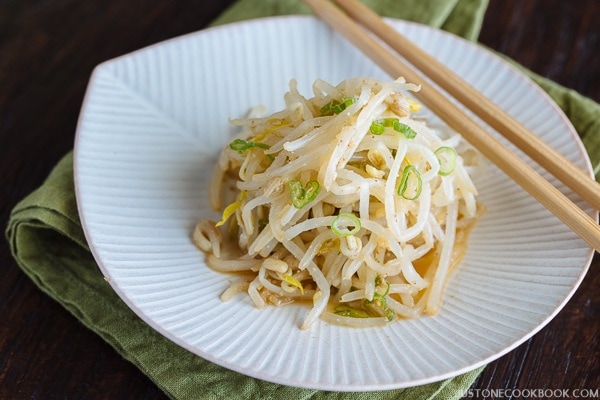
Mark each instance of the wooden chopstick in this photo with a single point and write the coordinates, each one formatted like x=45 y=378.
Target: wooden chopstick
x=563 y=208
x=546 y=156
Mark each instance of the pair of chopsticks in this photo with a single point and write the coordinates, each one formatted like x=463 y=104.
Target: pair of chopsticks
x=549 y=196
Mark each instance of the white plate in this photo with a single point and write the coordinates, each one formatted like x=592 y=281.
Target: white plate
x=151 y=126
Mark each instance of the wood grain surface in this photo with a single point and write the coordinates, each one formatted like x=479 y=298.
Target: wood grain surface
x=48 y=49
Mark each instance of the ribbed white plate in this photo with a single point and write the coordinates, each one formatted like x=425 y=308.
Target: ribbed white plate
x=151 y=126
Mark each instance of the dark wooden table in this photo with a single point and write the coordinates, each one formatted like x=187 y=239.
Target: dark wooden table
x=48 y=49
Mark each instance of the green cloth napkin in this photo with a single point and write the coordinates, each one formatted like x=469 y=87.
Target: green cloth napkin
x=47 y=242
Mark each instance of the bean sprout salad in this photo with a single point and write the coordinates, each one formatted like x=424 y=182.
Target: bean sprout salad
x=346 y=201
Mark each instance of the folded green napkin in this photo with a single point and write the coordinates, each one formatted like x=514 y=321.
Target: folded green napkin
x=47 y=242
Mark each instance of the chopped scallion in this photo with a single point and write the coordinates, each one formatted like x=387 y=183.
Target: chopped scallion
x=377 y=127
x=351 y=312
x=241 y=145
x=378 y=301
x=410 y=183
x=447 y=158
x=346 y=224
x=343 y=105
x=336 y=107
x=390 y=315
x=389 y=122
x=302 y=195
x=326 y=109
x=378 y=283
x=406 y=130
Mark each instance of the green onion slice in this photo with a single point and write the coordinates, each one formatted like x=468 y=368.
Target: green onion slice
x=389 y=122
x=379 y=300
x=378 y=283
x=406 y=130
x=410 y=183
x=346 y=224
x=377 y=127
x=351 y=312
x=447 y=158
x=241 y=145
x=336 y=107
x=343 y=105
x=390 y=315
x=302 y=195
x=326 y=109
